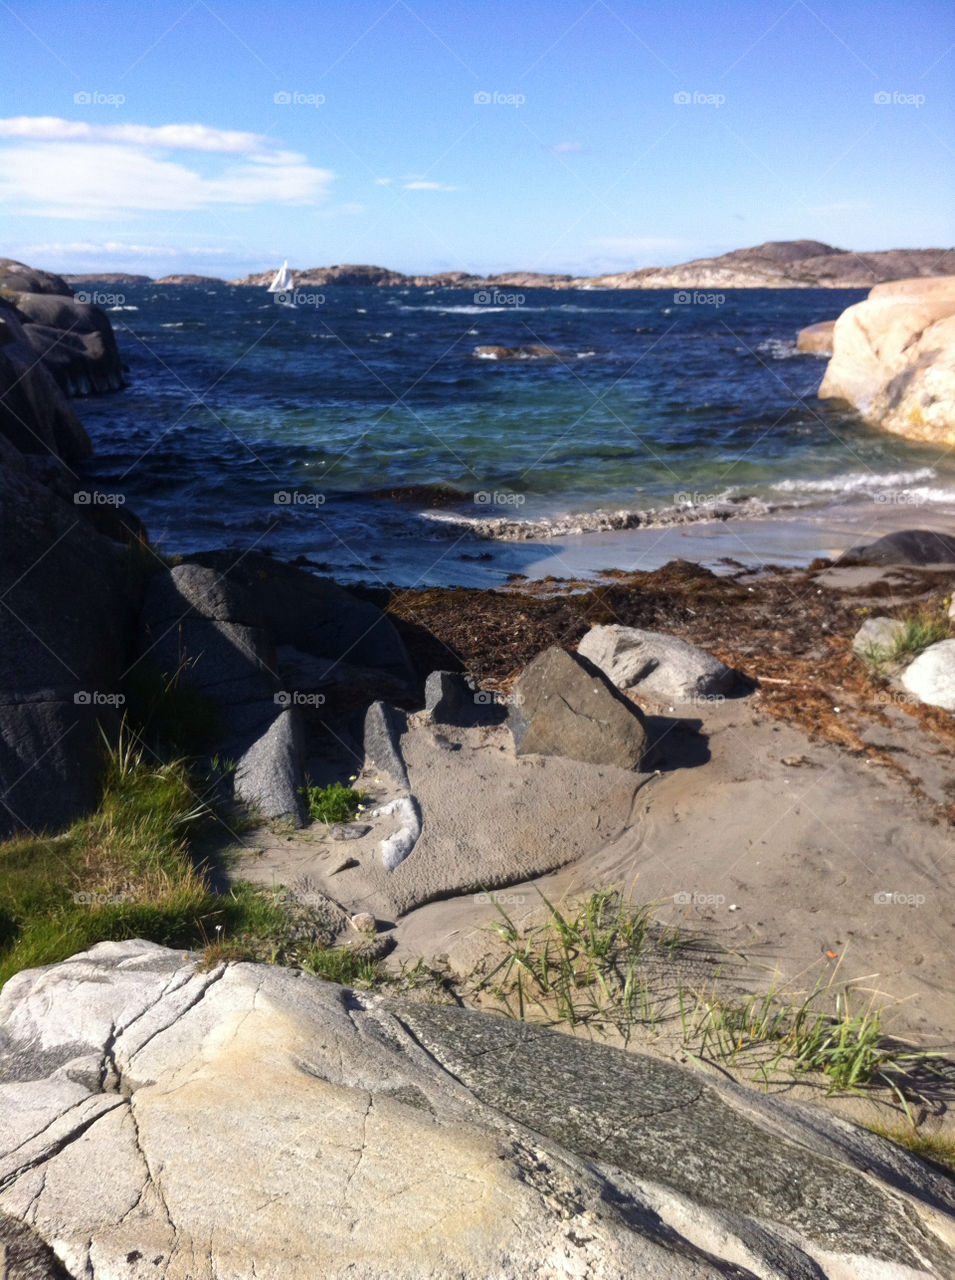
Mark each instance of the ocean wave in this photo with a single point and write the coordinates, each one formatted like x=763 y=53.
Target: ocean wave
x=779 y=348
x=507 y=529
x=857 y=482
x=471 y=309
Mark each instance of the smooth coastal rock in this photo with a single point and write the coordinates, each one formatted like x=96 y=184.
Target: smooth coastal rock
x=894 y=359
x=74 y=340
x=877 y=635
x=566 y=706
x=907 y=546
x=816 y=339
x=66 y=627
x=202 y=631
x=931 y=677
x=655 y=664
x=255 y=1121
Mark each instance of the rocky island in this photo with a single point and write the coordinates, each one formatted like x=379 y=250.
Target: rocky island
x=568 y=929
x=784 y=264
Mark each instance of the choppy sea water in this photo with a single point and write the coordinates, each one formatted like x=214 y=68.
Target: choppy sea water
x=671 y=424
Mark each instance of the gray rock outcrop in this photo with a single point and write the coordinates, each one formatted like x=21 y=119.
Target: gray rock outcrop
x=203 y=631
x=908 y=546
x=566 y=706
x=253 y=1121
x=66 y=626
x=661 y=666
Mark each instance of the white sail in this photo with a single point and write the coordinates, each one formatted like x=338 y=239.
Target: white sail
x=283 y=282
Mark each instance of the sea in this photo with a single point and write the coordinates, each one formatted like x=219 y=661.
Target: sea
x=364 y=430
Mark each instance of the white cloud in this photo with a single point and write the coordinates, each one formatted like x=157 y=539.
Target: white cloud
x=382 y=182
x=73 y=169
x=63 y=180
x=429 y=186
x=171 y=137
x=115 y=249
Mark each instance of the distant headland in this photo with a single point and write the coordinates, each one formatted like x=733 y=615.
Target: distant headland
x=777 y=264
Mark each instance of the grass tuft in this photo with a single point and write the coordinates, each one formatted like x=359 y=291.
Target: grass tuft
x=334 y=803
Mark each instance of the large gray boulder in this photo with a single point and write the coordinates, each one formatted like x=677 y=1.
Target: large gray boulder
x=563 y=705
x=203 y=631
x=74 y=340
x=66 y=630
x=19 y=278
x=253 y=1121
x=908 y=546
x=931 y=677
x=662 y=666
x=34 y=413
x=315 y=616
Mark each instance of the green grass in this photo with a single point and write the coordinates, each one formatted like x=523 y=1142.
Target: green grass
x=581 y=967
x=334 y=803
x=769 y=1036
x=938 y=1148
x=344 y=965
x=126 y=871
x=917 y=632
x=122 y=872
x=172 y=718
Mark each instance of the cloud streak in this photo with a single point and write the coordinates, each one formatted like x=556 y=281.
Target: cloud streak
x=71 y=169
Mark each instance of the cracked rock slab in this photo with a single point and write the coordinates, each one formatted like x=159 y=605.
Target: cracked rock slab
x=257 y=1122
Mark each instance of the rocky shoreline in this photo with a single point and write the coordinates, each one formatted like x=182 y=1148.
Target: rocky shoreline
x=762 y=759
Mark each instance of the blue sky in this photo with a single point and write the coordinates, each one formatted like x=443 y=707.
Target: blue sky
x=222 y=137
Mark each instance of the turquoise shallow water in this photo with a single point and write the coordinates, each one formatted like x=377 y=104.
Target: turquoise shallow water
x=251 y=424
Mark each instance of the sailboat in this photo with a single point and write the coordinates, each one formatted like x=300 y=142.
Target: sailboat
x=283 y=283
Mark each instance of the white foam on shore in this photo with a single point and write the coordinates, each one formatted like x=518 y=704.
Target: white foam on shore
x=860 y=482
x=570 y=524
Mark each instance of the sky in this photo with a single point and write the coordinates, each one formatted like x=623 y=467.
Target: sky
x=479 y=135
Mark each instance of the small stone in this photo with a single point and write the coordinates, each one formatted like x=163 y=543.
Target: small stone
x=349 y=830
x=364 y=922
